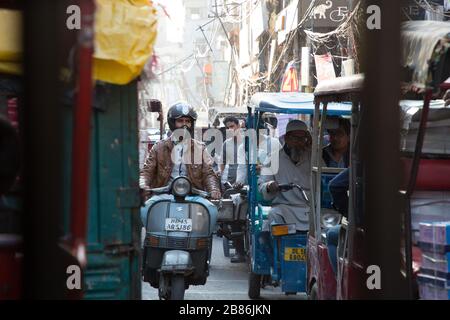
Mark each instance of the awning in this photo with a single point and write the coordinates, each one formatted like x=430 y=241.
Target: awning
x=419 y=42
x=294 y=103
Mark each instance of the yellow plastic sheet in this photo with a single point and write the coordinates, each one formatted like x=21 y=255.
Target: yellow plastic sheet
x=125 y=31
x=10 y=41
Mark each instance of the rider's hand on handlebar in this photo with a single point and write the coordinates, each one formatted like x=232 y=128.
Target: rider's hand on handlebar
x=273 y=187
x=238 y=186
x=215 y=195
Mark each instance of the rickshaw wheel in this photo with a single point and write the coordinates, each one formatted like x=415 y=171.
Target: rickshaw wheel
x=254 y=285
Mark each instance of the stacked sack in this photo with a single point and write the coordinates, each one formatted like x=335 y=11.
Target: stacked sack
x=434 y=276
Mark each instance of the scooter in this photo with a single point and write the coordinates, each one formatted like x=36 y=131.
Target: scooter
x=180 y=222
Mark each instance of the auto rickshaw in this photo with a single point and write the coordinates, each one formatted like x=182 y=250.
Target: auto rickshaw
x=425 y=167
x=321 y=277
x=278 y=254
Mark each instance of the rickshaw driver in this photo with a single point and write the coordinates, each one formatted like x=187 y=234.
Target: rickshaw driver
x=336 y=155
x=294 y=167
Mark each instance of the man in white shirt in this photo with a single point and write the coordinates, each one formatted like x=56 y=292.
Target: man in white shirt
x=294 y=167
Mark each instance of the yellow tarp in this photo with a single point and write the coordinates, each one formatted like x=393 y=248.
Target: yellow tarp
x=125 y=31
x=10 y=41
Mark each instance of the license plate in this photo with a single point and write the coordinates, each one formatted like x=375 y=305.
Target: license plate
x=294 y=254
x=176 y=224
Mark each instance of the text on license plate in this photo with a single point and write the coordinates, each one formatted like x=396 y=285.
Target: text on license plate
x=294 y=254
x=177 y=224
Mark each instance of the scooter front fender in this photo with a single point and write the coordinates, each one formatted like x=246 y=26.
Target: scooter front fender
x=177 y=261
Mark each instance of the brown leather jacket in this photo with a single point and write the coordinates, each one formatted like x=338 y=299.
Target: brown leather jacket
x=158 y=166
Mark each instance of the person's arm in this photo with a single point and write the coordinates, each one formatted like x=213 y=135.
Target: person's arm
x=219 y=157
x=241 y=172
x=266 y=186
x=210 y=179
x=148 y=172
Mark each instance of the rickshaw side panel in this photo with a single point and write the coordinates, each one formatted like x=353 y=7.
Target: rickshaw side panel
x=327 y=281
x=320 y=270
x=433 y=174
x=261 y=259
x=354 y=278
x=293 y=266
x=353 y=282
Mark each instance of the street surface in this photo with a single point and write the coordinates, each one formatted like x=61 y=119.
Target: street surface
x=226 y=281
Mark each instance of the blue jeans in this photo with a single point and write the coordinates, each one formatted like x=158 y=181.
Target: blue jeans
x=338 y=187
x=332 y=242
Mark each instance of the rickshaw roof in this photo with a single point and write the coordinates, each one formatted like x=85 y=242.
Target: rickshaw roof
x=294 y=103
x=340 y=87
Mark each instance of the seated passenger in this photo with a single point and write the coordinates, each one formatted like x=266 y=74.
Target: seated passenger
x=336 y=155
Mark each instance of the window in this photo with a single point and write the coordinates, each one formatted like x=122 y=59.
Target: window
x=195 y=13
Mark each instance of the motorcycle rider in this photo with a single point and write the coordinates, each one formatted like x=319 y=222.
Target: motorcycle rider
x=179 y=154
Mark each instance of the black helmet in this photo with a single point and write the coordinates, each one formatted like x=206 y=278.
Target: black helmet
x=179 y=110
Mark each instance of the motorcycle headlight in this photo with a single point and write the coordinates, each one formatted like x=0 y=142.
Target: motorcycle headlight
x=330 y=220
x=181 y=187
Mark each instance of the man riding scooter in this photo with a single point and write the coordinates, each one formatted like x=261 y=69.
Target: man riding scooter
x=179 y=221
x=159 y=169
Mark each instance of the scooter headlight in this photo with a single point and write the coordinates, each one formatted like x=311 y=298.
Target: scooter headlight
x=330 y=220
x=181 y=187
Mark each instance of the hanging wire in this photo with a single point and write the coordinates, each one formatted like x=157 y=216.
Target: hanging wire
x=424 y=4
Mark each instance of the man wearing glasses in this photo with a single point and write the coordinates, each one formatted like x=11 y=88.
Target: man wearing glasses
x=294 y=167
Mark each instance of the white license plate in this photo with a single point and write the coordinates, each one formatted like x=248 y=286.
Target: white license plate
x=176 y=224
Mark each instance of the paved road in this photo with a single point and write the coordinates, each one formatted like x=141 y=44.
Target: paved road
x=226 y=281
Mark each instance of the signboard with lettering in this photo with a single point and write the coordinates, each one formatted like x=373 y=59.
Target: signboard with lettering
x=416 y=10
x=328 y=13
x=412 y=11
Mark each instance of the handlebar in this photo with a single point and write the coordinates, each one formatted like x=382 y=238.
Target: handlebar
x=243 y=191
x=289 y=186
x=166 y=189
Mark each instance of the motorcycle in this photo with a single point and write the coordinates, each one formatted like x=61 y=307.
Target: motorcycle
x=179 y=223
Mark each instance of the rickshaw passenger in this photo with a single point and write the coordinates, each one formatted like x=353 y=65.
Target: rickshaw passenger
x=336 y=154
x=294 y=167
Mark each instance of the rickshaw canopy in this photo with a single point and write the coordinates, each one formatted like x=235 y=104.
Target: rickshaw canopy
x=293 y=103
x=425 y=44
x=217 y=113
x=339 y=89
